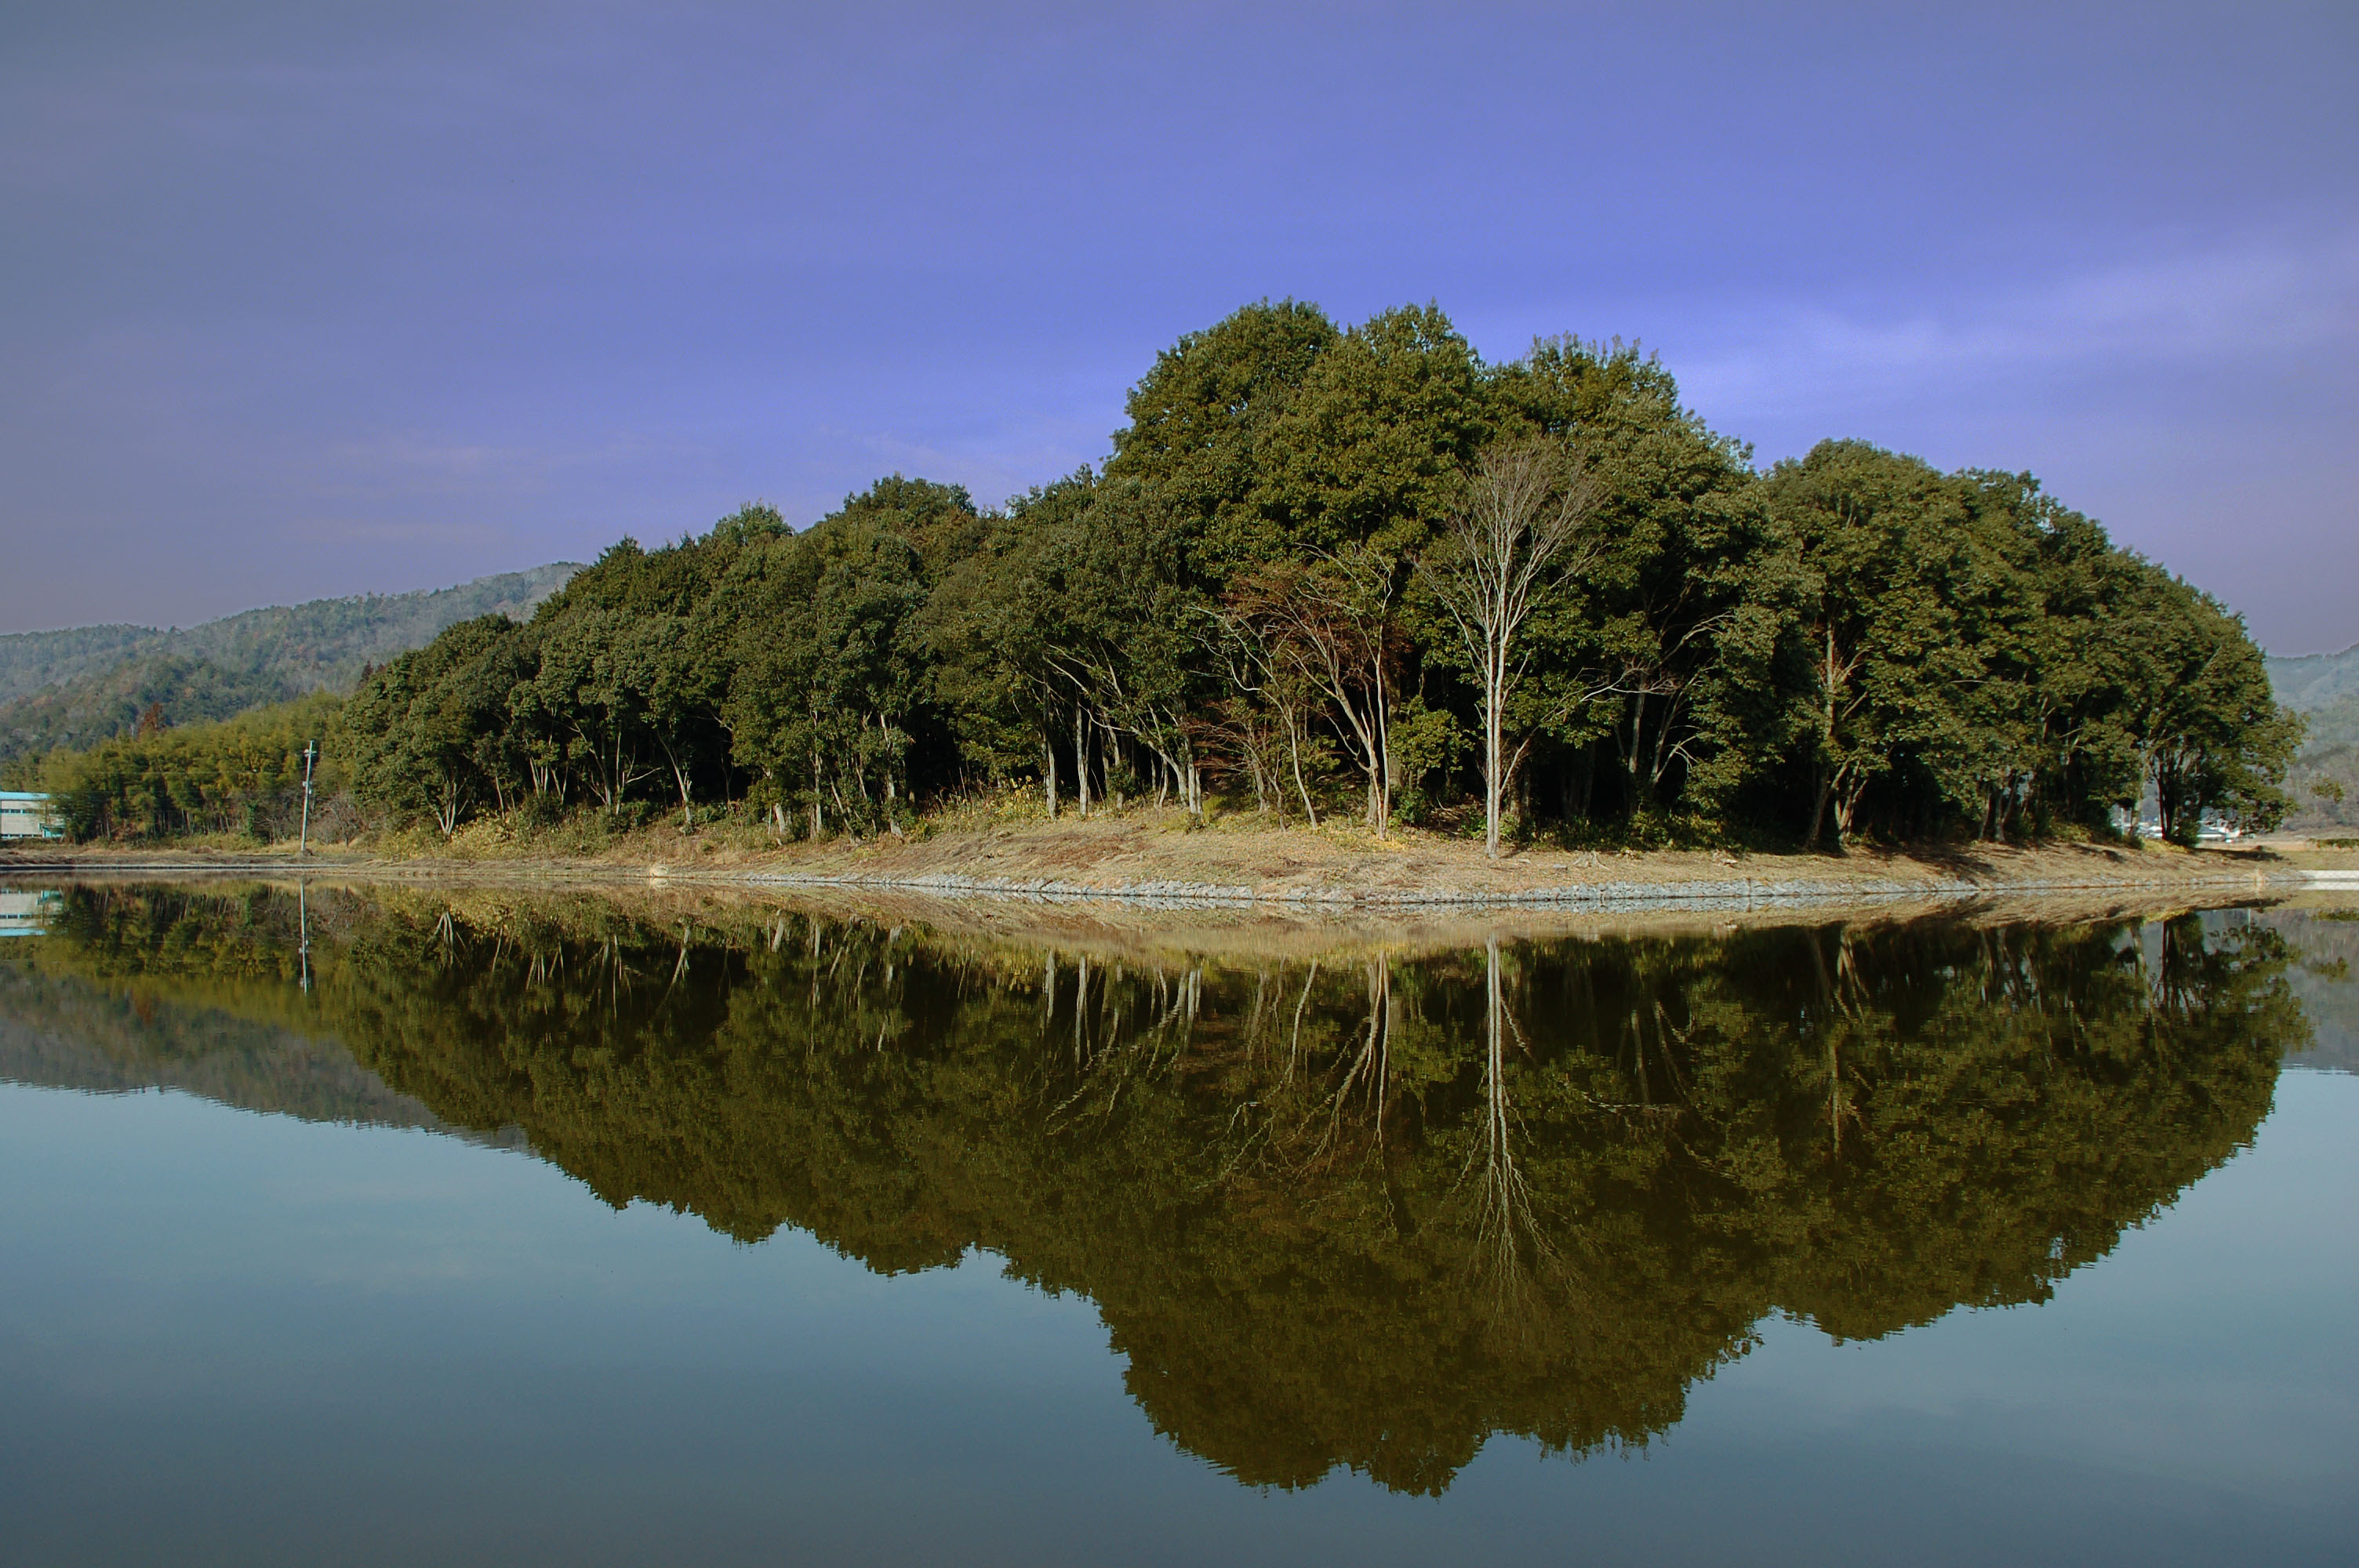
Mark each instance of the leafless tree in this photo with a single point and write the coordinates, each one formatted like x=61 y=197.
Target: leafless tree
x=1523 y=519
x=1265 y=667
x=1331 y=624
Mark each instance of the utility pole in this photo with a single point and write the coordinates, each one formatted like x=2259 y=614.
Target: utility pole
x=303 y=846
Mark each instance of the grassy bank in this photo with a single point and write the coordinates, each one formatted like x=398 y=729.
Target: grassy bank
x=1146 y=852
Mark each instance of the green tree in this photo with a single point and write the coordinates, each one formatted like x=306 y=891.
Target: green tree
x=1886 y=544
x=2211 y=733
x=420 y=725
x=1202 y=424
x=1664 y=654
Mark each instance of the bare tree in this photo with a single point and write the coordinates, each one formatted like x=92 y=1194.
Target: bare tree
x=1330 y=622
x=1521 y=518
x=1265 y=663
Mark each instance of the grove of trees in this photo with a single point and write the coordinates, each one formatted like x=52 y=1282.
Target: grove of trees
x=1359 y=574
x=242 y=776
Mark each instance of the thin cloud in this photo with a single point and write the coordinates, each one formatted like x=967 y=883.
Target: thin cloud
x=2256 y=301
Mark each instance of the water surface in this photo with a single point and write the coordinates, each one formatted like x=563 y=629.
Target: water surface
x=478 y=1227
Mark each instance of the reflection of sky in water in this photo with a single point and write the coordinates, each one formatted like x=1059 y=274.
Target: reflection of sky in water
x=263 y=1340
x=2325 y=937
x=258 y=1338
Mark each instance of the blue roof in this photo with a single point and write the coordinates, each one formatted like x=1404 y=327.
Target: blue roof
x=19 y=794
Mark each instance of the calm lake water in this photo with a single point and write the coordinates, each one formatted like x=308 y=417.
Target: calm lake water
x=476 y=1228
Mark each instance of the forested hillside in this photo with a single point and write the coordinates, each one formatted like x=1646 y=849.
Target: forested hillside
x=2324 y=782
x=2311 y=681
x=94 y=683
x=1360 y=574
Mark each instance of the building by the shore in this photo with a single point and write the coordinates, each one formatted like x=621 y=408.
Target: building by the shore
x=27 y=815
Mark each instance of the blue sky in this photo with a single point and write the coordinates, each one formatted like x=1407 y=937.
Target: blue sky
x=320 y=300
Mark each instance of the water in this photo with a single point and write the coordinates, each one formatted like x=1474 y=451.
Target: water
x=469 y=1227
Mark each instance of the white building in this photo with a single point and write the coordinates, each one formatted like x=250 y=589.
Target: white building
x=24 y=815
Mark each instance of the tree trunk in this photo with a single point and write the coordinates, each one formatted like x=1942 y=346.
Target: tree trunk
x=818 y=820
x=1847 y=801
x=1294 y=756
x=1493 y=678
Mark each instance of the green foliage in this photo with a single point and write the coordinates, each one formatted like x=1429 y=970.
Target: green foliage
x=1975 y=655
x=242 y=775
x=431 y=724
x=1202 y=424
x=1369 y=451
x=2214 y=738
x=1852 y=643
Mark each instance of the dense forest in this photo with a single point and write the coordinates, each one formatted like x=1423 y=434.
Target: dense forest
x=1361 y=575
x=1357 y=1208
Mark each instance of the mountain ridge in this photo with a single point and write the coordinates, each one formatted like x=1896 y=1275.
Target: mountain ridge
x=84 y=684
x=2308 y=682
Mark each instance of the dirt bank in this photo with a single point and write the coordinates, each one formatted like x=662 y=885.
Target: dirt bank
x=1157 y=858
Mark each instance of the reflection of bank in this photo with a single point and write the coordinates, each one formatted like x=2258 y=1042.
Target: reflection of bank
x=26 y=913
x=24 y=815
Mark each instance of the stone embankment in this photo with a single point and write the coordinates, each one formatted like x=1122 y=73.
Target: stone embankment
x=1143 y=861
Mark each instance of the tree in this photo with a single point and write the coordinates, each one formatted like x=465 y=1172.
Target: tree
x=1678 y=627
x=682 y=687
x=2211 y=735
x=1286 y=580
x=1522 y=517
x=419 y=724
x=1202 y=424
x=1884 y=540
x=1328 y=625
x=1354 y=477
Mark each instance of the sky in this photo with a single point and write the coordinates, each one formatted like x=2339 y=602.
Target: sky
x=320 y=298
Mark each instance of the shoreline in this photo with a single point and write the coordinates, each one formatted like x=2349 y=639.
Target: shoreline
x=1142 y=863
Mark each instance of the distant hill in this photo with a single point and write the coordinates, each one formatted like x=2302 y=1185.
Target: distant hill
x=2315 y=680
x=2325 y=976
x=2324 y=689
x=62 y=1032
x=88 y=683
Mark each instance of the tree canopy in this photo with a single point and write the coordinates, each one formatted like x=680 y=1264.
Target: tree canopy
x=1249 y=608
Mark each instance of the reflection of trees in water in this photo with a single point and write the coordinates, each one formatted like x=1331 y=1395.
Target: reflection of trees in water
x=1359 y=1212
x=1509 y=1240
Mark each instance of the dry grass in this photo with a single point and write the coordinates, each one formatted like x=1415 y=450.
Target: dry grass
x=1007 y=843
